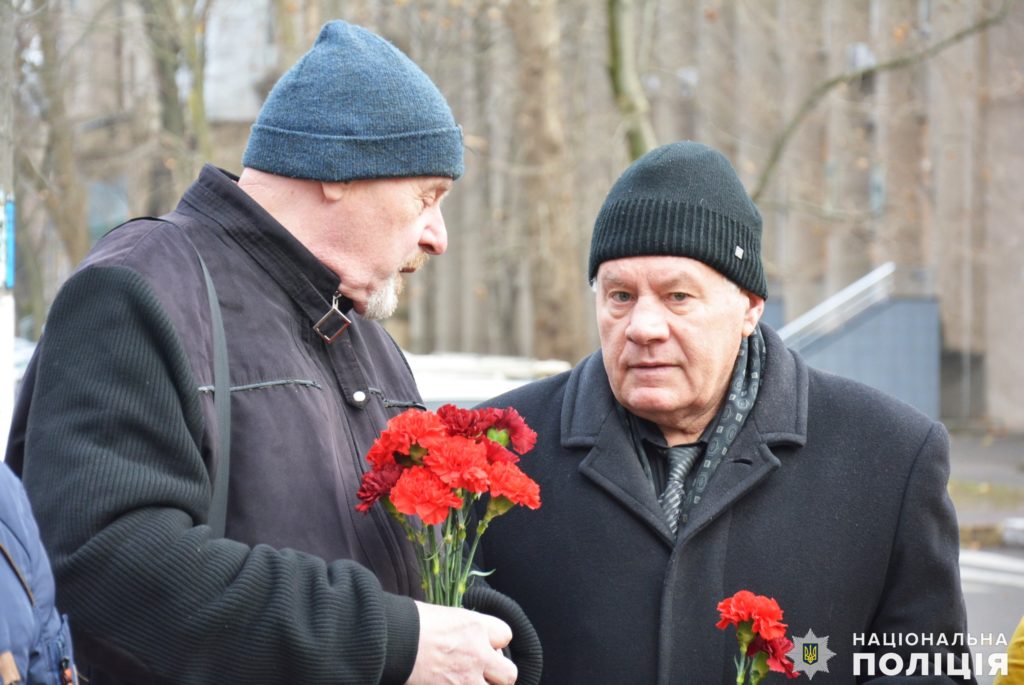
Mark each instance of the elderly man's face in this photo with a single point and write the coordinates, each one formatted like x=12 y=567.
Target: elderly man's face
x=378 y=229
x=670 y=331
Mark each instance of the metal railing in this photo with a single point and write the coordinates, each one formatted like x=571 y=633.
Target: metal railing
x=832 y=313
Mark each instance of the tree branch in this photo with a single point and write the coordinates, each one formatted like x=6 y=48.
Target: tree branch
x=824 y=88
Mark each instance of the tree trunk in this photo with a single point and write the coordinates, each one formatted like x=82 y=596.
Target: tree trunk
x=717 y=98
x=165 y=48
x=803 y=243
x=759 y=80
x=902 y=125
x=65 y=196
x=546 y=202
x=850 y=165
x=626 y=88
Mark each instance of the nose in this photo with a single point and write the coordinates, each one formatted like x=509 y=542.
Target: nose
x=647 y=323
x=435 y=235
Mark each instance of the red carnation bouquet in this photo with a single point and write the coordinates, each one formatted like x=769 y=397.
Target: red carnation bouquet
x=435 y=467
x=760 y=633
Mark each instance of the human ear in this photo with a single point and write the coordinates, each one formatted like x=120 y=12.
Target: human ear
x=753 y=313
x=332 y=190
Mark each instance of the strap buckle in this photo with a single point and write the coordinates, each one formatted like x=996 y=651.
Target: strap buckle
x=333 y=323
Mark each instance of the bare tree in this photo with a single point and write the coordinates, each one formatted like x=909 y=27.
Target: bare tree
x=55 y=176
x=626 y=87
x=176 y=33
x=859 y=75
x=545 y=205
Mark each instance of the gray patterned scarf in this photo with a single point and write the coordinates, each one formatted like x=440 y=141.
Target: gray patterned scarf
x=739 y=401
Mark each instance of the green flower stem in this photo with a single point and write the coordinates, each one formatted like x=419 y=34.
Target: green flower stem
x=758 y=668
x=444 y=569
x=741 y=669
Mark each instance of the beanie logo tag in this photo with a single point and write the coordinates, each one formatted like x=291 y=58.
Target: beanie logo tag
x=739 y=252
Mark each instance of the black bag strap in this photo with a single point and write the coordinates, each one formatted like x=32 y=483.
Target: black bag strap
x=217 y=518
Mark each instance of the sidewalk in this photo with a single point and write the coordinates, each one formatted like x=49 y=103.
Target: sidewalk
x=987 y=486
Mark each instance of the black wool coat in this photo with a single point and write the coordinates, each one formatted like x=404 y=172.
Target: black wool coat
x=832 y=500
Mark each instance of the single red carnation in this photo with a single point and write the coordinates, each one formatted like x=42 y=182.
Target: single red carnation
x=413 y=427
x=521 y=436
x=508 y=480
x=460 y=463
x=736 y=609
x=776 y=649
x=419 y=492
x=764 y=613
x=469 y=423
x=377 y=484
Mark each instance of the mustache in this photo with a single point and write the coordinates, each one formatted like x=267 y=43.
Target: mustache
x=416 y=262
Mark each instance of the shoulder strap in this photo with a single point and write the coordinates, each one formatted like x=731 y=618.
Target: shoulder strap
x=17 y=573
x=217 y=518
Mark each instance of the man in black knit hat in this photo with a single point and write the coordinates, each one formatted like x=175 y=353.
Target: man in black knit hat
x=694 y=456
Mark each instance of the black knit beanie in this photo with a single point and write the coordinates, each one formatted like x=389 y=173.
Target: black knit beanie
x=685 y=200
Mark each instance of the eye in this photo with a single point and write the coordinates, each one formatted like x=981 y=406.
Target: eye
x=678 y=297
x=620 y=296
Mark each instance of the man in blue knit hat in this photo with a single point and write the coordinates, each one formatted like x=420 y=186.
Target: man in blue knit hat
x=193 y=425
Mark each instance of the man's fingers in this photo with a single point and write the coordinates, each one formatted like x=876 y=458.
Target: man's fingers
x=498 y=632
x=500 y=671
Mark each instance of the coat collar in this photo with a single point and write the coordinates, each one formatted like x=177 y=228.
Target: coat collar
x=780 y=413
x=589 y=420
x=297 y=271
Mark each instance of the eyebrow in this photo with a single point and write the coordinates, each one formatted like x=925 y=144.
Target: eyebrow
x=612 y=280
x=678 y=280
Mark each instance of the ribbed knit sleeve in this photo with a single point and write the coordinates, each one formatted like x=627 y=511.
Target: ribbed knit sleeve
x=116 y=477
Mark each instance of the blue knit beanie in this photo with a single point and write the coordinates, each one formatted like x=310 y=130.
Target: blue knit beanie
x=685 y=200
x=355 y=107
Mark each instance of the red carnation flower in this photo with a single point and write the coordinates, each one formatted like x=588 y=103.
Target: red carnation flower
x=469 y=423
x=508 y=480
x=382 y=452
x=377 y=484
x=413 y=427
x=520 y=436
x=460 y=463
x=764 y=613
x=419 y=492
x=776 y=651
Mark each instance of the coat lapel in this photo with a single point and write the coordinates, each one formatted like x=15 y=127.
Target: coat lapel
x=613 y=465
x=589 y=419
x=779 y=418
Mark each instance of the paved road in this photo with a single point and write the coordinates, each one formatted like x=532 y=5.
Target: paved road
x=993 y=582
